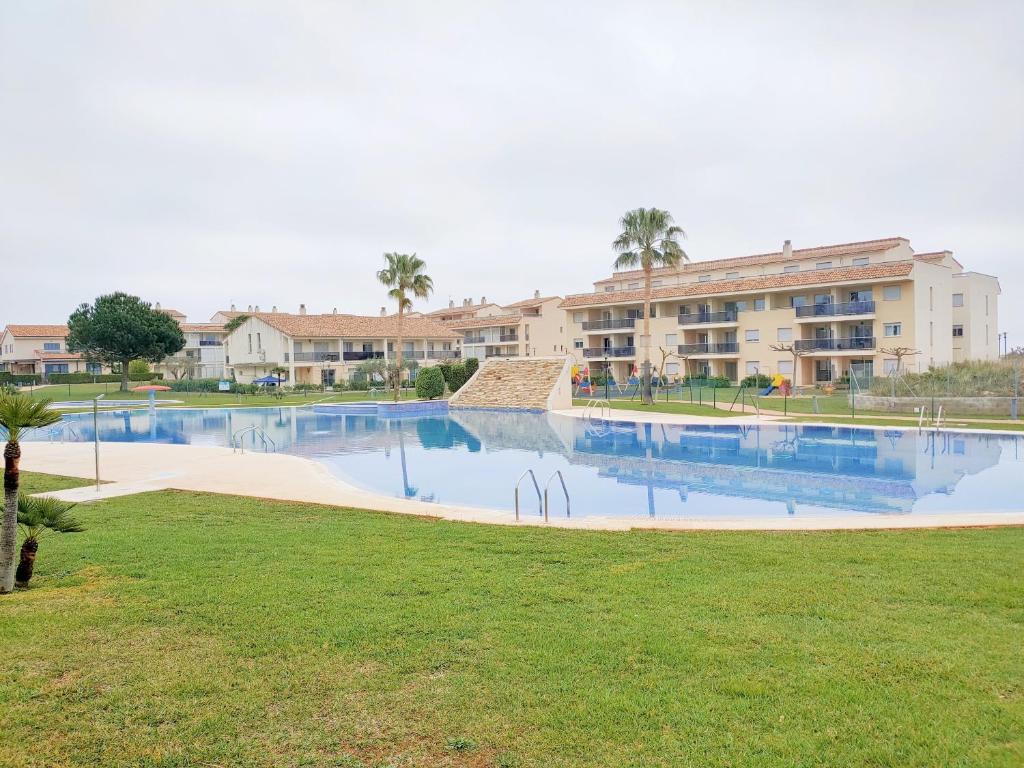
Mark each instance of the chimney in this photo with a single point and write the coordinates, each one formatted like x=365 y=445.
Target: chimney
x=451 y=303
x=250 y=308
x=232 y=307
x=302 y=309
x=335 y=311
x=157 y=306
x=383 y=311
x=273 y=309
x=483 y=300
x=787 y=250
x=536 y=294
x=466 y=302
x=257 y=307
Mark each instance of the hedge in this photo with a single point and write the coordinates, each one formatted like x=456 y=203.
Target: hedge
x=712 y=382
x=6 y=377
x=759 y=380
x=98 y=378
x=472 y=366
x=430 y=383
x=457 y=377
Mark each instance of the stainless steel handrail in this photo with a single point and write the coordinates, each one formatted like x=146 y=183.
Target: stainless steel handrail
x=237 y=444
x=561 y=479
x=533 y=477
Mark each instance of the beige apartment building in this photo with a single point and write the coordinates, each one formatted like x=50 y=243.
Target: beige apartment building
x=839 y=306
x=529 y=328
x=327 y=348
x=41 y=350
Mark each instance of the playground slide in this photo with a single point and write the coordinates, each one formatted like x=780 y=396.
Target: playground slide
x=777 y=380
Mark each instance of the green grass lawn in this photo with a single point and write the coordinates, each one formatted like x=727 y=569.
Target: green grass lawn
x=194 y=630
x=201 y=400
x=39 y=482
x=684 y=408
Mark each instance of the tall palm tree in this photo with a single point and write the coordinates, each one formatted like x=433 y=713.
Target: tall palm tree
x=18 y=413
x=649 y=240
x=405 y=277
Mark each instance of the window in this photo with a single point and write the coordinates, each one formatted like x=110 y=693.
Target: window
x=259 y=341
x=823 y=265
x=704 y=279
x=860 y=261
x=609 y=289
x=862 y=295
x=672 y=369
x=94 y=368
x=579 y=317
x=250 y=343
x=958 y=331
x=671 y=339
x=759 y=305
x=986 y=305
x=752 y=367
x=889 y=366
x=655 y=283
x=823 y=298
x=797 y=301
x=785 y=367
x=633 y=286
x=51 y=346
x=791 y=268
x=577 y=343
x=731 y=275
x=958 y=299
x=752 y=335
x=891 y=293
x=741 y=306
x=893 y=329
x=785 y=334
x=931 y=298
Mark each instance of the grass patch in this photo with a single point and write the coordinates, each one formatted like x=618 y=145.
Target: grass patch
x=190 y=629
x=685 y=409
x=40 y=482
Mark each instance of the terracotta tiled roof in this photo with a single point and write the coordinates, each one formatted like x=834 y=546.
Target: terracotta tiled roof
x=201 y=327
x=173 y=313
x=44 y=355
x=531 y=302
x=820 y=251
x=38 y=330
x=746 y=285
x=354 y=326
x=458 y=309
x=511 y=318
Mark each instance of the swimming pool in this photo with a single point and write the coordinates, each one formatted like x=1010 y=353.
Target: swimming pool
x=612 y=469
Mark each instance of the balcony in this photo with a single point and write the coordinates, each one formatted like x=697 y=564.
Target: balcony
x=700 y=318
x=474 y=340
x=609 y=352
x=211 y=343
x=442 y=354
x=707 y=348
x=836 y=310
x=852 y=344
x=508 y=337
x=361 y=355
x=316 y=357
x=609 y=325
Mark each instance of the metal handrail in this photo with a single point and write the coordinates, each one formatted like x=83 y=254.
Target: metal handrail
x=533 y=477
x=237 y=443
x=938 y=418
x=561 y=479
x=597 y=402
x=920 y=418
x=62 y=430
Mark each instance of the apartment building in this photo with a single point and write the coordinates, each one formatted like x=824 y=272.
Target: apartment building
x=41 y=350
x=529 y=328
x=327 y=348
x=840 y=307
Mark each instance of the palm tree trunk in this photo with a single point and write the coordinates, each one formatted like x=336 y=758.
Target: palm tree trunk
x=398 y=356
x=27 y=563
x=647 y=397
x=9 y=534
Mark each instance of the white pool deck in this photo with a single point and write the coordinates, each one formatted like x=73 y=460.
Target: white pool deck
x=130 y=468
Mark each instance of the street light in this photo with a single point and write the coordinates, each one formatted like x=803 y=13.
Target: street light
x=96 y=434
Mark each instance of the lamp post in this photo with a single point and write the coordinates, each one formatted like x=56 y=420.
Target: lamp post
x=96 y=434
x=605 y=375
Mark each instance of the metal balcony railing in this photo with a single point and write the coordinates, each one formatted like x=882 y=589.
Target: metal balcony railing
x=709 y=348
x=317 y=357
x=506 y=337
x=362 y=355
x=726 y=316
x=609 y=352
x=836 y=310
x=835 y=345
x=442 y=354
x=473 y=340
x=609 y=325
x=210 y=343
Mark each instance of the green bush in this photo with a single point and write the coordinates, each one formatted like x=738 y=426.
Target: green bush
x=430 y=383
x=445 y=366
x=138 y=368
x=971 y=378
x=472 y=366
x=711 y=382
x=307 y=388
x=458 y=377
x=759 y=380
x=6 y=377
x=99 y=378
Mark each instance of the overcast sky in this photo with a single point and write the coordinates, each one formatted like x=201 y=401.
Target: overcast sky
x=204 y=153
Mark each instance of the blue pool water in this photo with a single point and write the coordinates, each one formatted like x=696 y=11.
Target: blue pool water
x=473 y=458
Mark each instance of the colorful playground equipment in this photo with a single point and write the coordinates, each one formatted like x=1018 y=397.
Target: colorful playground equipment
x=776 y=382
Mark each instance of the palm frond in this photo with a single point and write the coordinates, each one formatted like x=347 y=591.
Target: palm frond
x=20 y=412
x=38 y=512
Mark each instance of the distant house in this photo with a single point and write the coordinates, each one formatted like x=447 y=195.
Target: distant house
x=41 y=350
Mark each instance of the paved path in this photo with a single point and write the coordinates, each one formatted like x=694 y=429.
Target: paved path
x=131 y=468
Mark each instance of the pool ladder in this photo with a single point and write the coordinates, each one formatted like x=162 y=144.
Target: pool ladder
x=238 y=442
x=921 y=414
x=542 y=501
x=62 y=431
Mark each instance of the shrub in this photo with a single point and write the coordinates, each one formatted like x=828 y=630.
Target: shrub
x=712 y=382
x=445 y=366
x=138 y=368
x=24 y=379
x=99 y=378
x=965 y=379
x=458 y=377
x=472 y=366
x=430 y=383
x=759 y=380
x=307 y=388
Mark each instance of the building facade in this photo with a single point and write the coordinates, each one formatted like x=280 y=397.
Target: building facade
x=41 y=350
x=529 y=328
x=814 y=315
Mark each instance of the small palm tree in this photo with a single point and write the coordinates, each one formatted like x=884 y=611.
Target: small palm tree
x=18 y=413
x=648 y=240
x=405 y=277
x=36 y=515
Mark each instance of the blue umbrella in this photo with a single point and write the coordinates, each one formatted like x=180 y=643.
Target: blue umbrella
x=269 y=380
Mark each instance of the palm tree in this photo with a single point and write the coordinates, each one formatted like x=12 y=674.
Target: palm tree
x=17 y=413
x=405 y=277
x=648 y=241
x=37 y=514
